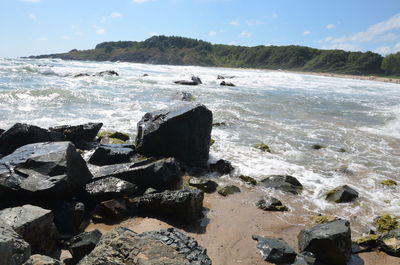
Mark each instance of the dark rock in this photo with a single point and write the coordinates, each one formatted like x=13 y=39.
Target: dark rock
x=122 y=246
x=219 y=124
x=82 y=75
x=329 y=242
x=263 y=147
x=42 y=170
x=186 y=205
x=283 y=183
x=41 y=260
x=225 y=77
x=22 y=134
x=275 y=250
x=112 y=154
x=368 y=242
x=105 y=73
x=76 y=133
x=145 y=75
x=222 y=167
x=318 y=146
x=342 y=194
x=228 y=190
x=82 y=244
x=271 y=204
x=114 y=135
x=205 y=185
x=109 y=188
x=69 y=218
x=110 y=211
x=248 y=179
x=187 y=83
x=150 y=173
x=305 y=258
x=184 y=96
x=36 y=227
x=390 y=242
x=13 y=249
x=185 y=245
x=1 y=131
x=183 y=132
x=196 y=79
x=223 y=83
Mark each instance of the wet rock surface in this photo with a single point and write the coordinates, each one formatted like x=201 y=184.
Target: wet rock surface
x=284 y=183
x=182 y=131
x=275 y=250
x=14 y=250
x=112 y=154
x=76 y=133
x=222 y=167
x=342 y=194
x=109 y=188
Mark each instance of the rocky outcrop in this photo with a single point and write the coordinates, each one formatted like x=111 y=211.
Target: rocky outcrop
x=275 y=250
x=21 y=134
x=77 y=133
x=109 y=188
x=185 y=245
x=82 y=244
x=112 y=154
x=150 y=173
x=185 y=205
x=390 y=242
x=14 y=250
x=268 y=203
x=41 y=260
x=182 y=131
x=284 y=183
x=222 y=167
x=342 y=194
x=41 y=171
x=36 y=227
x=122 y=246
x=329 y=242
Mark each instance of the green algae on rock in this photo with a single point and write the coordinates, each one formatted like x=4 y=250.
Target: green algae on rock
x=322 y=219
x=388 y=182
x=248 y=179
x=263 y=147
x=386 y=223
x=228 y=190
x=368 y=241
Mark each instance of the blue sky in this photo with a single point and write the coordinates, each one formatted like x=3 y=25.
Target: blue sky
x=32 y=27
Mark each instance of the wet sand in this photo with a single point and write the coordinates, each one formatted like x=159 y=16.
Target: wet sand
x=231 y=221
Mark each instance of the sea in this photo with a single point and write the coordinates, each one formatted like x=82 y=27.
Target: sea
x=357 y=122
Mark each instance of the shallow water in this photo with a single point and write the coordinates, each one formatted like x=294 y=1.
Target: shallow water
x=290 y=112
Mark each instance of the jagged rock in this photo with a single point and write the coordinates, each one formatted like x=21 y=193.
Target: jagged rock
x=205 y=185
x=184 y=96
x=228 y=190
x=110 y=211
x=13 y=249
x=184 y=204
x=41 y=260
x=222 y=167
x=283 y=183
x=112 y=154
x=196 y=79
x=76 y=133
x=185 y=245
x=275 y=250
x=271 y=204
x=82 y=244
x=305 y=258
x=109 y=188
x=122 y=246
x=329 y=242
x=182 y=131
x=390 y=242
x=69 y=218
x=224 y=83
x=342 y=194
x=22 y=134
x=41 y=171
x=36 y=227
x=150 y=173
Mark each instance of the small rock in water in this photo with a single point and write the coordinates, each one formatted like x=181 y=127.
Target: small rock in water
x=389 y=182
x=342 y=194
x=275 y=250
x=205 y=185
x=228 y=190
x=386 y=223
x=283 y=182
x=318 y=146
x=184 y=96
x=221 y=166
x=224 y=83
x=248 y=179
x=271 y=204
x=263 y=147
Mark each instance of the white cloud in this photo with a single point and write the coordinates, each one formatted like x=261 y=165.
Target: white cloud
x=384 y=50
x=212 y=33
x=234 y=23
x=100 y=31
x=30 y=1
x=389 y=37
x=330 y=26
x=307 y=32
x=254 y=22
x=32 y=16
x=245 y=34
x=41 y=39
x=116 y=14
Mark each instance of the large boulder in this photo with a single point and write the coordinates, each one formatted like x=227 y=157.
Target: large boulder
x=275 y=250
x=112 y=154
x=283 y=182
x=329 y=242
x=150 y=173
x=82 y=244
x=182 y=131
x=77 y=133
x=14 y=250
x=390 y=242
x=185 y=205
x=42 y=260
x=21 y=134
x=109 y=188
x=122 y=246
x=185 y=245
x=36 y=227
x=42 y=170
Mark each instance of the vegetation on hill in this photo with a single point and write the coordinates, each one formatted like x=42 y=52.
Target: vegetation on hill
x=186 y=51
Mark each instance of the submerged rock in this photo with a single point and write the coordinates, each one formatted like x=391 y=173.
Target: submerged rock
x=329 y=242
x=76 y=133
x=248 y=179
x=112 y=154
x=36 y=227
x=137 y=249
x=318 y=146
x=14 y=250
x=271 y=204
x=222 y=167
x=42 y=260
x=109 y=188
x=263 y=147
x=224 y=83
x=342 y=194
x=205 y=185
x=82 y=244
x=390 y=243
x=105 y=73
x=182 y=131
x=184 y=96
x=22 y=134
x=190 y=248
x=275 y=250
x=389 y=182
x=228 y=190
x=283 y=182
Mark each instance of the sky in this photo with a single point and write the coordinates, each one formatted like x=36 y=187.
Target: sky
x=34 y=27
